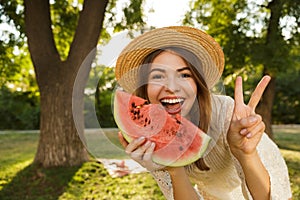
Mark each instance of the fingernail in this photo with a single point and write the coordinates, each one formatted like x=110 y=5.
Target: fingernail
x=249 y=135
x=147 y=144
x=243 y=131
x=141 y=139
x=253 y=119
x=152 y=145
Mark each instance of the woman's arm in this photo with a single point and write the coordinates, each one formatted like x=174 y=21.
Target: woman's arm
x=244 y=134
x=274 y=163
x=256 y=175
x=182 y=187
x=272 y=160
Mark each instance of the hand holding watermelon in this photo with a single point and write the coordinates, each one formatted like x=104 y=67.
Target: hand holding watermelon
x=141 y=151
x=246 y=126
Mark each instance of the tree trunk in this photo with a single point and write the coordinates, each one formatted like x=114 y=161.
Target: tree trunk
x=271 y=65
x=265 y=106
x=59 y=144
x=60 y=92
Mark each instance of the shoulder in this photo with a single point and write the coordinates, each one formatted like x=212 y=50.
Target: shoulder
x=222 y=105
x=222 y=110
x=217 y=99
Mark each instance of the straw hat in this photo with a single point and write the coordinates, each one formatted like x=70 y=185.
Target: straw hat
x=198 y=42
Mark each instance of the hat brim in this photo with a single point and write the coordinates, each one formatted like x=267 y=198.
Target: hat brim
x=205 y=48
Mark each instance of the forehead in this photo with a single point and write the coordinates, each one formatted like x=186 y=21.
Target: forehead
x=168 y=60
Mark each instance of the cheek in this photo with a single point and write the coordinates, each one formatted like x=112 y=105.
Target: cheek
x=191 y=91
x=153 y=92
x=191 y=88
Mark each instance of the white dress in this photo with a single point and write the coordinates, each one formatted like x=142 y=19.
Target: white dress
x=225 y=179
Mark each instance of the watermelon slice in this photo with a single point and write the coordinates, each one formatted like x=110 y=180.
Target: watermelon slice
x=178 y=141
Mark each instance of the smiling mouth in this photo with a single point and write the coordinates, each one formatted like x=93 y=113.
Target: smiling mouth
x=172 y=105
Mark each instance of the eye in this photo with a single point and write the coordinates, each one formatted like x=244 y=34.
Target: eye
x=185 y=74
x=156 y=76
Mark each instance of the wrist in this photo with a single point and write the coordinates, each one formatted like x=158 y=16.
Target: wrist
x=241 y=156
x=256 y=175
x=248 y=159
x=176 y=171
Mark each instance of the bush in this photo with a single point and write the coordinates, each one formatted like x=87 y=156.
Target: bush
x=286 y=109
x=18 y=110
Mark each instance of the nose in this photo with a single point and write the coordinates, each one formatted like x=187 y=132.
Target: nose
x=172 y=85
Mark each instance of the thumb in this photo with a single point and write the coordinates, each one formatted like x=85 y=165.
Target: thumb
x=238 y=125
x=123 y=142
x=249 y=121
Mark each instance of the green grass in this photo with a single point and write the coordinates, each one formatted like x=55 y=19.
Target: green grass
x=19 y=179
x=288 y=140
x=104 y=145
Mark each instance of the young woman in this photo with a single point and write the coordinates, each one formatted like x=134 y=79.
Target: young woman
x=177 y=67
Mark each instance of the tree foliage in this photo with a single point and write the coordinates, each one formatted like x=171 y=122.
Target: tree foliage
x=13 y=49
x=98 y=97
x=19 y=102
x=257 y=37
x=19 y=110
x=64 y=17
x=241 y=27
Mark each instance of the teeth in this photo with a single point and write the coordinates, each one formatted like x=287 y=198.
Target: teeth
x=172 y=101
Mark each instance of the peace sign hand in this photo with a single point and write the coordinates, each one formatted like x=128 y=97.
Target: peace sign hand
x=246 y=127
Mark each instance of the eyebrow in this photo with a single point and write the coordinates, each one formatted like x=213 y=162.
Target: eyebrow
x=163 y=70
x=157 y=69
x=182 y=69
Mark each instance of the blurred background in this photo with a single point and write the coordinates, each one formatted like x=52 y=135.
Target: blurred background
x=44 y=45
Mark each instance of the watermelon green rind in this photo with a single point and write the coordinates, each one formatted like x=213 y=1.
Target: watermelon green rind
x=179 y=162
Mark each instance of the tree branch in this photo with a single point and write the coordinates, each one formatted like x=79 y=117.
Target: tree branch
x=88 y=30
x=39 y=33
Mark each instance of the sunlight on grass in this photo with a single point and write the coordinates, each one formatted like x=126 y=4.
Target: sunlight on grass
x=8 y=172
x=287 y=138
x=93 y=182
x=292 y=159
x=104 y=145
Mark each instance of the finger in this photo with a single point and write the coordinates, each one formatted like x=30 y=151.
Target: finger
x=250 y=123
x=238 y=91
x=138 y=154
x=149 y=151
x=149 y=164
x=122 y=140
x=256 y=131
x=244 y=125
x=258 y=92
x=134 y=144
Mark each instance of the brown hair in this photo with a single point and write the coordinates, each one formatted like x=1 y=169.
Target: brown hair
x=201 y=111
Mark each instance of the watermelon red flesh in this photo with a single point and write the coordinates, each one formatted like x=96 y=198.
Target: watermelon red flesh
x=131 y=112
x=185 y=149
x=178 y=141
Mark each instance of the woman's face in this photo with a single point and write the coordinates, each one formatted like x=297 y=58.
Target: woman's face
x=171 y=84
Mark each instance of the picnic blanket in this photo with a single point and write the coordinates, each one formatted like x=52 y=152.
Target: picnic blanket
x=121 y=167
